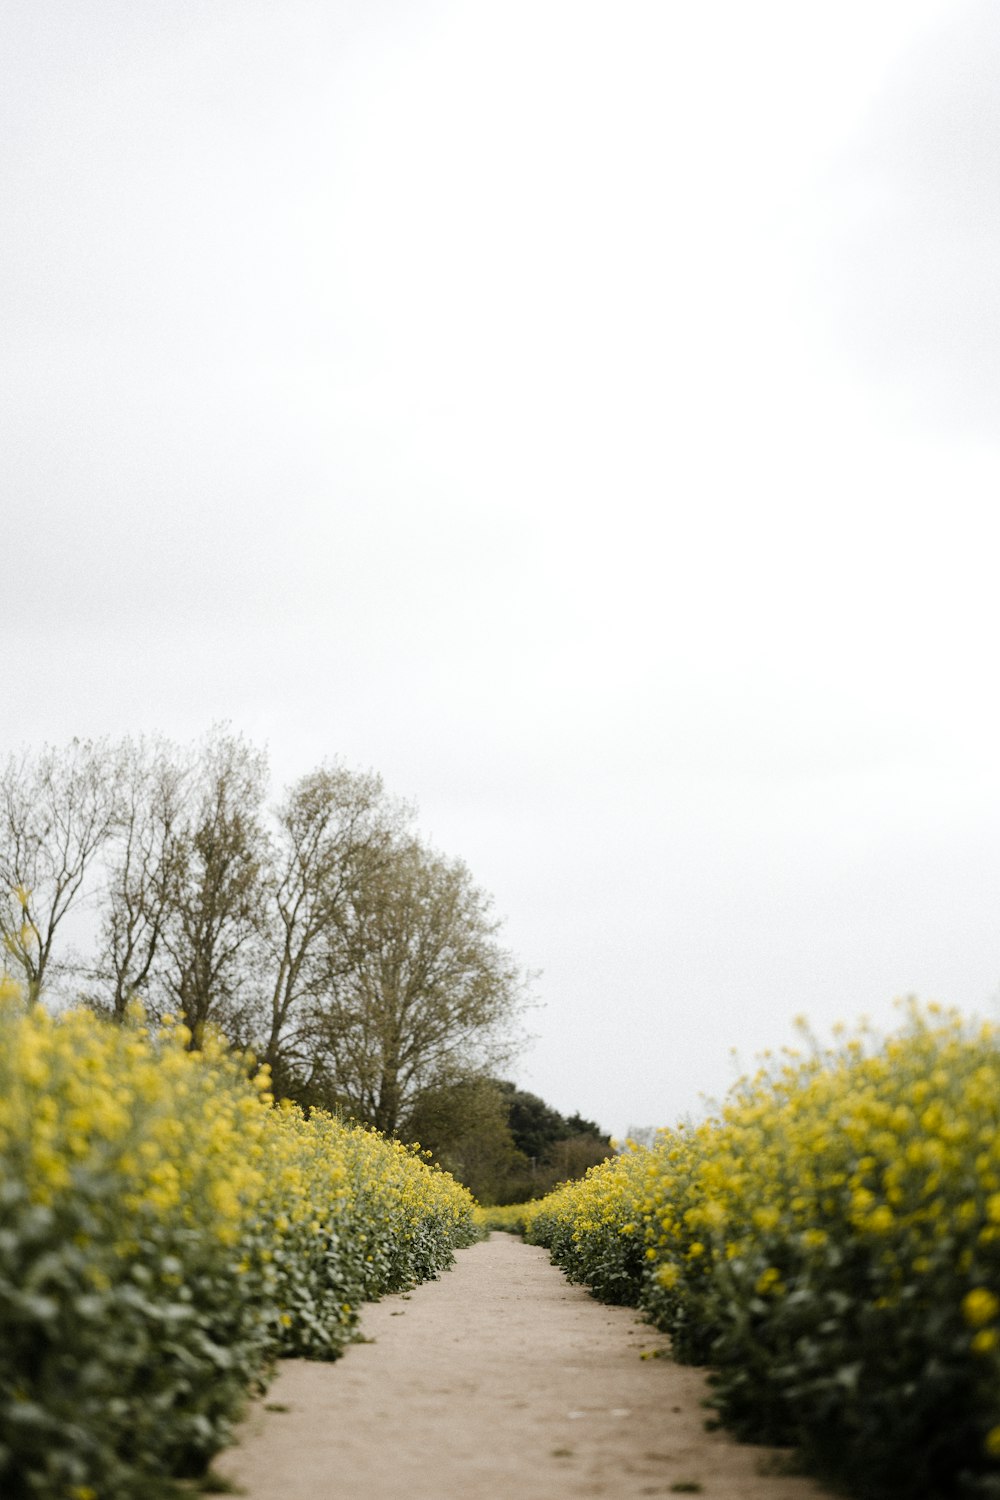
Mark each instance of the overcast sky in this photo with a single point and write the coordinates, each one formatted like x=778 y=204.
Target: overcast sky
x=586 y=415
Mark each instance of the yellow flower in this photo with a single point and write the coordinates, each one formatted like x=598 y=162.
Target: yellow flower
x=979 y=1306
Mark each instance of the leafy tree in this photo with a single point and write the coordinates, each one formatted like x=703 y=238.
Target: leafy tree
x=577 y=1125
x=551 y=1147
x=571 y=1156
x=505 y=1144
x=420 y=991
x=464 y=1125
x=534 y=1125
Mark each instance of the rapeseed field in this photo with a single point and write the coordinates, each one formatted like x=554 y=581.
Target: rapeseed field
x=829 y=1242
x=165 y=1233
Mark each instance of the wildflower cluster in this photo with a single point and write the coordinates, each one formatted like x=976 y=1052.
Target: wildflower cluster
x=592 y=1229
x=164 y=1232
x=512 y=1218
x=830 y=1243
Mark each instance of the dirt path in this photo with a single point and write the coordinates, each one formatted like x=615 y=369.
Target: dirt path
x=498 y=1382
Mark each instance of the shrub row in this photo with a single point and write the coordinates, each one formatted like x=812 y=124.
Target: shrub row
x=512 y=1218
x=830 y=1243
x=164 y=1233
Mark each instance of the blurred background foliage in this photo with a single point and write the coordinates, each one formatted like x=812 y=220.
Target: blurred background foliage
x=505 y=1144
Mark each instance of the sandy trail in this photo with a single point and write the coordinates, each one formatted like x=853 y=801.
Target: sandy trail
x=500 y=1380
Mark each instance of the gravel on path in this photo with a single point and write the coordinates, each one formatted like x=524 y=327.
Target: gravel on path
x=500 y=1381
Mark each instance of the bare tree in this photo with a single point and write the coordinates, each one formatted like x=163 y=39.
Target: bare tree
x=212 y=910
x=332 y=829
x=142 y=868
x=421 y=992
x=57 y=812
x=363 y=967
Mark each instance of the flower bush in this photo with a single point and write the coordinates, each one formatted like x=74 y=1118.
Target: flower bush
x=592 y=1228
x=830 y=1243
x=513 y=1218
x=164 y=1233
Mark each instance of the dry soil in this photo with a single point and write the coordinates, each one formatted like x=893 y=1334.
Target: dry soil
x=498 y=1382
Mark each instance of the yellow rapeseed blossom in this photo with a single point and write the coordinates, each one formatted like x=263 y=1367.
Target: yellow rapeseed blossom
x=833 y=1190
x=979 y=1307
x=152 y=1193
x=768 y=1281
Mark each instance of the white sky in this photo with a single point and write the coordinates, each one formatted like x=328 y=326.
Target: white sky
x=583 y=414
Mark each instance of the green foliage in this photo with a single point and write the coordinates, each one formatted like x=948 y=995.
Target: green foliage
x=549 y=1147
x=577 y=1125
x=479 y=1128
x=534 y=1125
x=590 y=1228
x=464 y=1126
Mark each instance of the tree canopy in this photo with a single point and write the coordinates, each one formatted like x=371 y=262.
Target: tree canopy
x=505 y=1143
x=319 y=932
x=322 y=933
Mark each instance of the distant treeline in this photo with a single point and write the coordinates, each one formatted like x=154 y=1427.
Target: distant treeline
x=504 y=1143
